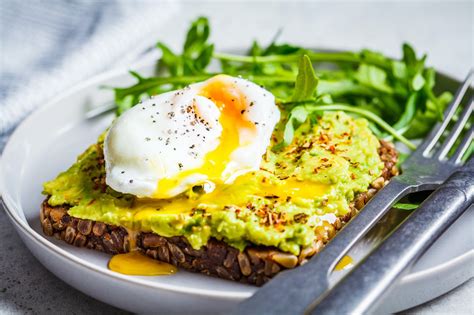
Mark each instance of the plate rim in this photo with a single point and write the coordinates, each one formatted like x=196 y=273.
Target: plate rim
x=13 y=212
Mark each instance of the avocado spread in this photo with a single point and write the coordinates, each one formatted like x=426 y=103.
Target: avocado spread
x=313 y=179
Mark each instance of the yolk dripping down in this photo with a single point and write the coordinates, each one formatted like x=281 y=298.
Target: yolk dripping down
x=230 y=102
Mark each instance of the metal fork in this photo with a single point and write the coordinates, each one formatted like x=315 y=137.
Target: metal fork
x=293 y=291
x=363 y=289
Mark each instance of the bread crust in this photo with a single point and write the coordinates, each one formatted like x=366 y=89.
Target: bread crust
x=255 y=265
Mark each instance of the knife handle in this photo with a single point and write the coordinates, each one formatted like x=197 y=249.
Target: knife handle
x=362 y=288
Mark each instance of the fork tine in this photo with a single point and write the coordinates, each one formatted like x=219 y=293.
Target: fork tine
x=454 y=133
x=438 y=130
x=463 y=146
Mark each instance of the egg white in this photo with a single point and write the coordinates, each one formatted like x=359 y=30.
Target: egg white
x=173 y=132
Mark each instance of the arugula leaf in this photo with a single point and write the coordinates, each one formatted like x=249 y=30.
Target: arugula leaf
x=197 y=36
x=418 y=82
x=397 y=96
x=425 y=119
x=405 y=206
x=409 y=56
x=297 y=117
x=124 y=103
x=199 y=63
x=196 y=56
x=306 y=80
x=344 y=87
x=399 y=69
x=316 y=108
x=374 y=77
x=305 y=88
x=409 y=113
x=197 y=51
x=374 y=58
x=169 y=60
x=283 y=49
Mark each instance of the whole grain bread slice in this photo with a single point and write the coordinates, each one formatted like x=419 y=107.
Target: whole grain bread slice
x=255 y=265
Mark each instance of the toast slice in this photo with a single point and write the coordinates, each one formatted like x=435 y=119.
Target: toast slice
x=255 y=265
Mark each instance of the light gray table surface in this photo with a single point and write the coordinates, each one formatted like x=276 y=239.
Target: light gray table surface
x=444 y=30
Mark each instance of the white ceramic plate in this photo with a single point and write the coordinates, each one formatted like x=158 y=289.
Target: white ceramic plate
x=49 y=141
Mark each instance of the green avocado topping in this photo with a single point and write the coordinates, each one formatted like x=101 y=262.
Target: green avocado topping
x=329 y=160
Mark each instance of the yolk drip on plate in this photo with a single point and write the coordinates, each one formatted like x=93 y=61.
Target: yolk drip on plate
x=230 y=102
x=136 y=263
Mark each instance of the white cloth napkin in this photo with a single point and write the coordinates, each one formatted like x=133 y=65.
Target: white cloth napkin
x=48 y=46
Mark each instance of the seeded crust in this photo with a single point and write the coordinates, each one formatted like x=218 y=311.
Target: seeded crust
x=255 y=265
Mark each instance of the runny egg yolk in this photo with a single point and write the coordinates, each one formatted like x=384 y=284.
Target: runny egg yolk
x=234 y=194
x=293 y=188
x=231 y=103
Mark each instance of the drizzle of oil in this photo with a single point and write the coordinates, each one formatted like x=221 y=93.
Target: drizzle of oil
x=136 y=263
x=346 y=262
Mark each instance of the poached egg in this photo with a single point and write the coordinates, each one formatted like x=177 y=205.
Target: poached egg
x=207 y=133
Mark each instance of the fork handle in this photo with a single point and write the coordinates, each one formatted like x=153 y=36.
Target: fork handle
x=359 y=291
x=291 y=291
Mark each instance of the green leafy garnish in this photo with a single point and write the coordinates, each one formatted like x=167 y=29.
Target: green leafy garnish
x=196 y=55
x=405 y=206
x=396 y=96
x=310 y=109
x=306 y=81
x=297 y=117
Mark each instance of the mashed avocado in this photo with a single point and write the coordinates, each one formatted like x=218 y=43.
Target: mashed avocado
x=314 y=178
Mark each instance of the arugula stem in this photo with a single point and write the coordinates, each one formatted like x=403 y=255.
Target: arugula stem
x=256 y=59
x=313 y=55
x=362 y=112
x=157 y=81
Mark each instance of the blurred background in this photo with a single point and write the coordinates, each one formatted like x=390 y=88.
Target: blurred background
x=48 y=46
